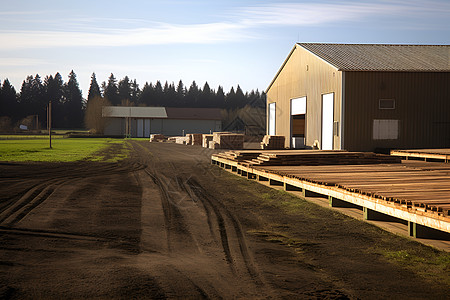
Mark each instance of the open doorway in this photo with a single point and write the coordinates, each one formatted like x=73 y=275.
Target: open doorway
x=298 y=122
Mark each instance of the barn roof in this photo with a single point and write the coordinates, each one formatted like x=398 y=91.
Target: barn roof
x=162 y=113
x=383 y=57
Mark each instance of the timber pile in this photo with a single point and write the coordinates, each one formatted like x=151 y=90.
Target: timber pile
x=272 y=142
x=412 y=185
x=228 y=140
x=317 y=158
x=239 y=156
x=306 y=158
x=206 y=138
x=157 y=138
x=184 y=140
x=195 y=139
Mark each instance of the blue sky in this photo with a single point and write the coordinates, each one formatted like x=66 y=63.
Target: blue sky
x=222 y=42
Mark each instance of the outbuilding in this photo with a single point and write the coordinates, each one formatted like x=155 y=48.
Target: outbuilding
x=362 y=97
x=169 y=121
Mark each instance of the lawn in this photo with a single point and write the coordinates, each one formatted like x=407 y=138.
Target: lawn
x=63 y=149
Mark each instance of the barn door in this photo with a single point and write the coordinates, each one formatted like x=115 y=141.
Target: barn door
x=327 y=121
x=140 y=128
x=298 y=119
x=272 y=118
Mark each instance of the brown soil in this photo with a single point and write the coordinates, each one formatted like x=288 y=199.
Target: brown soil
x=167 y=224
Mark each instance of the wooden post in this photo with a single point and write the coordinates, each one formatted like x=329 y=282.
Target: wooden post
x=49 y=123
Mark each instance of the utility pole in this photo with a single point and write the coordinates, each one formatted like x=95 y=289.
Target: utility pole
x=49 y=122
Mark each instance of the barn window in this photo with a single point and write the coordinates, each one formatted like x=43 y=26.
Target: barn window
x=385 y=129
x=386 y=104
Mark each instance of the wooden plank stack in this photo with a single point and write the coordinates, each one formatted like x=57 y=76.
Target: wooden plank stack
x=206 y=138
x=184 y=140
x=228 y=140
x=307 y=157
x=195 y=139
x=239 y=156
x=157 y=138
x=272 y=142
x=317 y=157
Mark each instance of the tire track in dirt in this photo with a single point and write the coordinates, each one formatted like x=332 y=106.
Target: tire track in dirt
x=177 y=230
x=25 y=204
x=52 y=234
x=221 y=213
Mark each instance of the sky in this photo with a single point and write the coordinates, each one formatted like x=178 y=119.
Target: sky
x=225 y=43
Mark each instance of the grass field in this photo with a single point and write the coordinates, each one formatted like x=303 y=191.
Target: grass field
x=63 y=149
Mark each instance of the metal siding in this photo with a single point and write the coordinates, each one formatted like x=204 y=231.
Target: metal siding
x=422 y=106
x=305 y=75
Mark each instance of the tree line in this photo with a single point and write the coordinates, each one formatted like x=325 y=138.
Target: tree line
x=28 y=106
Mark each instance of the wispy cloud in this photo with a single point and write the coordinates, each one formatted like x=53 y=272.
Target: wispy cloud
x=20 y=62
x=161 y=34
x=315 y=13
x=87 y=32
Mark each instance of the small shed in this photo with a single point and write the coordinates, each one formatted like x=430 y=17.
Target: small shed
x=168 y=121
x=362 y=97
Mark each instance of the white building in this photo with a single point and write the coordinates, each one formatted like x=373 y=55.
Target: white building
x=169 y=121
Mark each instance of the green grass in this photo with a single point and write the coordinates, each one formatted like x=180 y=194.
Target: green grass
x=63 y=150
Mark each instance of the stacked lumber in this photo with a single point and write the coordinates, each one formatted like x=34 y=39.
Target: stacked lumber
x=273 y=142
x=228 y=140
x=184 y=140
x=157 y=138
x=239 y=156
x=317 y=157
x=195 y=139
x=213 y=145
x=206 y=138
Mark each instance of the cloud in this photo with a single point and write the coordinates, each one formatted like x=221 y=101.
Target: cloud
x=240 y=25
x=20 y=62
x=157 y=35
x=315 y=13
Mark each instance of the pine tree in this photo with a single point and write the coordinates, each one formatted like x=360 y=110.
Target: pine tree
x=124 y=90
x=111 y=91
x=94 y=89
x=135 y=92
x=181 y=93
x=54 y=92
x=8 y=100
x=147 y=94
x=74 y=103
x=220 y=98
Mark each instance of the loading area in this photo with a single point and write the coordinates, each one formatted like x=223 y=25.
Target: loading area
x=404 y=195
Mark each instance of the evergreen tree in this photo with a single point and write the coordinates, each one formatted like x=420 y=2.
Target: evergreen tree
x=135 y=92
x=32 y=98
x=54 y=92
x=146 y=97
x=206 y=99
x=193 y=95
x=94 y=89
x=181 y=93
x=239 y=99
x=74 y=103
x=8 y=101
x=111 y=91
x=124 y=90
x=220 y=98
x=158 y=94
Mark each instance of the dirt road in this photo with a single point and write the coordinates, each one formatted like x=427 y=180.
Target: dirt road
x=167 y=224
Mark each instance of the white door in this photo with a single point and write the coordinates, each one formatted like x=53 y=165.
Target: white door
x=272 y=118
x=327 y=121
x=140 y=127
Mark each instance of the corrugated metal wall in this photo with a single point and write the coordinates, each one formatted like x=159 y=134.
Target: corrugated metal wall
x=304 y=74
x=422 y=106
